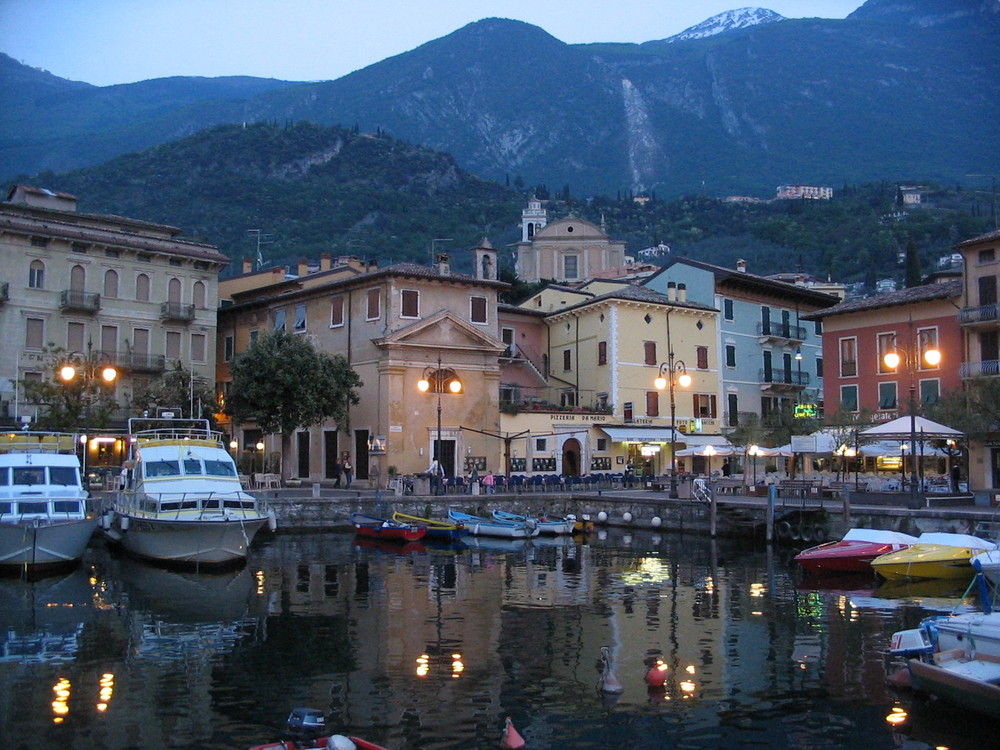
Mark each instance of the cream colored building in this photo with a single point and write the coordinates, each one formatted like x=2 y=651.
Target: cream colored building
x=394 y=326
x=109 y=289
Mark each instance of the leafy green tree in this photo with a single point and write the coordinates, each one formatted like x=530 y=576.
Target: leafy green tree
x=975 y=410
x=82 y=400
x=283 y=384
x=177 y=388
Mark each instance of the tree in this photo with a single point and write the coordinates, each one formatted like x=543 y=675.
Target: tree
x=177 y=388
x=283 y=384
x=913 y=275
x=83 y=400
x=975 y=410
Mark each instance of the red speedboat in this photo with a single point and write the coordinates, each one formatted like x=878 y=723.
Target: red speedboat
x=319 y=743
x=854 y=553
x=386 y=529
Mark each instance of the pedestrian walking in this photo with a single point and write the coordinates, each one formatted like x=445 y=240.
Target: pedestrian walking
x=348 y=471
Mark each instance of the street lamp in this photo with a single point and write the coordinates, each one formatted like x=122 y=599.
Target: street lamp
x=439 y=380
x=754 y=451
x=893 y=359
x=672 y=373
x=87 y=378
x=260 y=449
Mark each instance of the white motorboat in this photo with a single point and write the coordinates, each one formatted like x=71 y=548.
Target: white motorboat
x=988 y=563
x=183 y=501
x=44 y=520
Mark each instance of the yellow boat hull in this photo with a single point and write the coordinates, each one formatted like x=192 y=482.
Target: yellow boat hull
x=925 y=561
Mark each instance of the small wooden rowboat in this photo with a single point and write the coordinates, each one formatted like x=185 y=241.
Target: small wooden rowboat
x=549 y=525
x=386 y=529
x=436 y=529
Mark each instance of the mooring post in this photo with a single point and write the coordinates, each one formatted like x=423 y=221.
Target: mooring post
x=772 y=496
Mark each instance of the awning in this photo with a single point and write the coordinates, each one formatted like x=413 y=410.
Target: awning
x=700 y=441
x=642 y=435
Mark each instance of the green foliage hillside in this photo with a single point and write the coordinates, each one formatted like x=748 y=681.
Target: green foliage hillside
x=312 y=189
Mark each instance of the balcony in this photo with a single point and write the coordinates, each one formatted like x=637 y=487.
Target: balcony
x=984 y=315
x=145 y=362
x=177 y=312
x=989 y=368
x=782 y=333
x=784 y=380
x=73 y=301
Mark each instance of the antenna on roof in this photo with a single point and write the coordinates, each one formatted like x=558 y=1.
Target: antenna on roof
x=262 y=239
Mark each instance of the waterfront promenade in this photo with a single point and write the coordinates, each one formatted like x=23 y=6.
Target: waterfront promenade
x=801 y=518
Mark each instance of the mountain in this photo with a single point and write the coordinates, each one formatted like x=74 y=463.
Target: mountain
x=741 y=18
x=899 y=90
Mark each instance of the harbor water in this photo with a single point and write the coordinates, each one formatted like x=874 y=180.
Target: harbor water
x=429 y=647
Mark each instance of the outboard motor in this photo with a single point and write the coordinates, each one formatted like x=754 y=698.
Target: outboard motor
x=911 y=643
x=306 y=722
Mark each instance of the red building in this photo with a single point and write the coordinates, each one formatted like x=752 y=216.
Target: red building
x=911 y=322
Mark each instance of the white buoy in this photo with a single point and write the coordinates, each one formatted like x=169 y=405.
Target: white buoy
x=656 y=521
x=627 y=517
x=602 y=516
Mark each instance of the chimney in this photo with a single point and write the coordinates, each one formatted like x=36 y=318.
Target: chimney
x=303 y=266
x=741 y=266
x=682 y=293
x=247 y=265
x=324 y=262
x=443 y=266
x=672 y=291
x=373 y=264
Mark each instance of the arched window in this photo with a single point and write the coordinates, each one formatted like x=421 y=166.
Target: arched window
x=142 y=288
x=174 y=291
x=111 y=283
x=199 y=295
x=77 y=278
x=36 y=275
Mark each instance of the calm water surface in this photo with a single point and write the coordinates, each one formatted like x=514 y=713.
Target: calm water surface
x=419 y=647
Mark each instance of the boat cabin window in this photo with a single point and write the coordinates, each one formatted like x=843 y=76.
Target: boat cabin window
x=4 y=477
x=6 y=508
x=29 y=475
x=29 y=507
x=162 y=469
x=63 y=475
x=192 y=466
x=66 y=506
x=220 y=469
x=178 y=504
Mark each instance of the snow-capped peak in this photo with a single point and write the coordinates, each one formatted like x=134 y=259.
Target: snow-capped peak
x=731 y=19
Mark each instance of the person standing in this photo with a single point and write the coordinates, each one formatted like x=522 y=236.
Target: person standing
x=348 y=471
x=337 y=471
x=489 y=480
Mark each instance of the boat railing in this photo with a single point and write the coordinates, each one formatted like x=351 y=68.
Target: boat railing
x=186 y=504
x=29 y=441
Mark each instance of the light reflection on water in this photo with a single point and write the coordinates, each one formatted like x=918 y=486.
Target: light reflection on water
x=431 y=648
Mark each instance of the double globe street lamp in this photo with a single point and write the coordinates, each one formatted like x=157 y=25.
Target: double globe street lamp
x=439 y=380
x=673 y=373
x=912 y=358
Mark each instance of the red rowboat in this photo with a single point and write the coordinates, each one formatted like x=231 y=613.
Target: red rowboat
x=374 y=527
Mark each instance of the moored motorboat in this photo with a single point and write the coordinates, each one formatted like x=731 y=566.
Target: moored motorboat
x=854 y=553
x=339 y=742
x=436 y=528
x=386 y=529
x=935 y=555
x=480 y=526
x=44 y=520
x=183 y=502
x=988 y=563
x=547 y=525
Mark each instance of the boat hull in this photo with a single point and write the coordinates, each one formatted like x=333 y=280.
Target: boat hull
x=46 y=544
x=989 y=564
x=393 y=534
x=203 y=541
x=926 y=561
x=479 y=526
x=841 y=557
x=436 y=530
x=957 y=631
x=969 y=683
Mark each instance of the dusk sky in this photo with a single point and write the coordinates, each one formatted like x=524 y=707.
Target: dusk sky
x=120 y=41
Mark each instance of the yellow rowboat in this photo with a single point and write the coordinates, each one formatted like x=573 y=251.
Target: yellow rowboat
x=935 y=555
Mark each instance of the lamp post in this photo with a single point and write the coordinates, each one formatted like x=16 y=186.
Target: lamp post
x=438 y=380
x=260 y=449
x=893 y=359
x=672 y=373
x=87 y=377
x=754 y=451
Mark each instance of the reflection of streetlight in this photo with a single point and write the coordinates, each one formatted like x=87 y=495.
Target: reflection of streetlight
x=913 y=357
x=439 y=380
x=672 y=373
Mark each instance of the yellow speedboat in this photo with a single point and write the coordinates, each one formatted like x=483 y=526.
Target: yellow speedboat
x=936 y=554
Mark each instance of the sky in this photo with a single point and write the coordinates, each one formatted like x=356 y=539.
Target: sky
x=105 y=42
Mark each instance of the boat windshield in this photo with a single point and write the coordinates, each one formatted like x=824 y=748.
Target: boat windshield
x=29 y=475
x=192 y=467
x=220 y=469
x=63 y=475
x=162 y=469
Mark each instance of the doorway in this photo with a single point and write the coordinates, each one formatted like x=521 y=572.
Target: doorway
x=571 y=458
